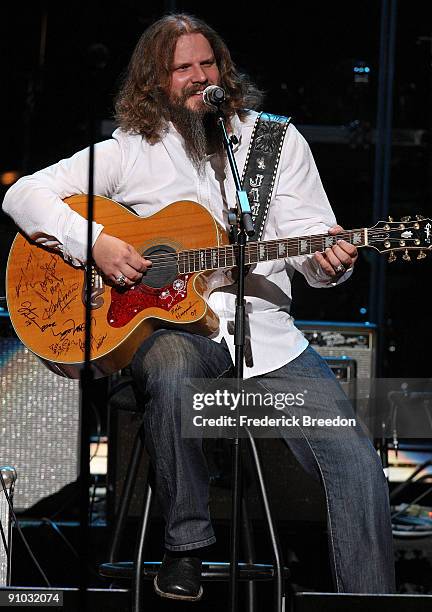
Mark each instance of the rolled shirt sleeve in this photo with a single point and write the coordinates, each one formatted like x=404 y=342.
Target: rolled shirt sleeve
x=35 y=202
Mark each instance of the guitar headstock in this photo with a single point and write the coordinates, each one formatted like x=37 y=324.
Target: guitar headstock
x=404 y=235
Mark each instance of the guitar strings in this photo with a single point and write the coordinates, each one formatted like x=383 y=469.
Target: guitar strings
x=166 y=259
x=251 y=245
x=270 y=243
x=228 y=256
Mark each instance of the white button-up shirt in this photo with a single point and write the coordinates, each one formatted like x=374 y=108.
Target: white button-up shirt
x=148 y=177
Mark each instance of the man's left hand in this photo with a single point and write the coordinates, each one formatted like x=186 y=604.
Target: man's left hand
x=336 y=260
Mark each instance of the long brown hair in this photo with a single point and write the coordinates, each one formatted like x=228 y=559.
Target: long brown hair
x=140 y=102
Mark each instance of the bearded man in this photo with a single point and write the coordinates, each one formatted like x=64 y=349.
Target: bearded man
x=168 y=148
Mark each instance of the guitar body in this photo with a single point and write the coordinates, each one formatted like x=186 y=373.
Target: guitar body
x=46 y=295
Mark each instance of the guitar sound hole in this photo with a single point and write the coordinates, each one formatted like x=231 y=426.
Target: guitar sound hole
x=164 y=269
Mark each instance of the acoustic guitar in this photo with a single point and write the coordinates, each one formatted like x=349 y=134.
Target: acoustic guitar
x=191 y=256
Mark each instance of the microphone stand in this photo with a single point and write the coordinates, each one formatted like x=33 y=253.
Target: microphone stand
x=97 y=59
x=243 y=227
x=86 y=379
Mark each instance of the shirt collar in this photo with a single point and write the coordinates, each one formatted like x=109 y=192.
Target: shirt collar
x=236 y=127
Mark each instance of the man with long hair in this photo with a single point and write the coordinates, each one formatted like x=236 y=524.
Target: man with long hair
x=168 y=148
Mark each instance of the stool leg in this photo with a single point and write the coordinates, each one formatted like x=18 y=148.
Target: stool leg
x=139 y=557
x=279 y=581
x=128 y=487
x=251 y=601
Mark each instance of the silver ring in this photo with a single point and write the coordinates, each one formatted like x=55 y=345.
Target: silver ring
x=341 y=268
x=121 y=280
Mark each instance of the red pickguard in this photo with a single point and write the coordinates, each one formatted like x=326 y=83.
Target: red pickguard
x=126 y=304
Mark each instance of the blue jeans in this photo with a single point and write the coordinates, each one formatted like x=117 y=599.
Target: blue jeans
x=358 y=514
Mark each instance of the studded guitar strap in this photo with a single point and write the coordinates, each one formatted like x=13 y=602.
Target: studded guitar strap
x=261 y=166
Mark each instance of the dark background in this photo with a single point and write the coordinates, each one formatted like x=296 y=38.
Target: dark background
x=302 y=54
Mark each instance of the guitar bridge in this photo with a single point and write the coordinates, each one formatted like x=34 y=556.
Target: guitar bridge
x=97 y=289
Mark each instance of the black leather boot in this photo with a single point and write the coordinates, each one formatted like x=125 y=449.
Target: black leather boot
x=179 y=578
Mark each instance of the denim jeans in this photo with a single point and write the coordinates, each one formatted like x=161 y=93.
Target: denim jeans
x=358 y=514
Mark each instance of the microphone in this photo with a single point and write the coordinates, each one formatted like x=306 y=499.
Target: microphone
x=213 y=95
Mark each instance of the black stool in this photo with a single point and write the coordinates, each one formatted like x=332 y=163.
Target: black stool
x=122 y=397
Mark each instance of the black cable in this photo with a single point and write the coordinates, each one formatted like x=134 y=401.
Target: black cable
x=92 y=501
x=94 y=454
x=410 y=479
x=413 y=502
x=6 y=547
x=23 y=538
x=98 y=430
x=56 y=528
x=8 y=543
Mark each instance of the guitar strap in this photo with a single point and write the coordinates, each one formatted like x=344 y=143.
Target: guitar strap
x=261 y=166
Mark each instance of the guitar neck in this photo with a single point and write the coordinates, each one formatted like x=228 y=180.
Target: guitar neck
x=214 y=258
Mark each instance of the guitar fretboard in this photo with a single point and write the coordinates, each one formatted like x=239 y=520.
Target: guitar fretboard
x=200 y=260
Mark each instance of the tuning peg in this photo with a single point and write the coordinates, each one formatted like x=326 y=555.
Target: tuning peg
x=392 y=257
x=419 y=217
x=421 y=255
x=390 y=219
x=405 y=219
x=406 y=256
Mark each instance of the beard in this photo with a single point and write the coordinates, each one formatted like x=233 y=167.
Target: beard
x=199 y=129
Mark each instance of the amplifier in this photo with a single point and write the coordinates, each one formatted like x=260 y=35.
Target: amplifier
x=353 y=341
x=345 y=370
x=39 y=424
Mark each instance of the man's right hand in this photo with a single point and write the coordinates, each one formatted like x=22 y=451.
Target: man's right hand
x=117 y=259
